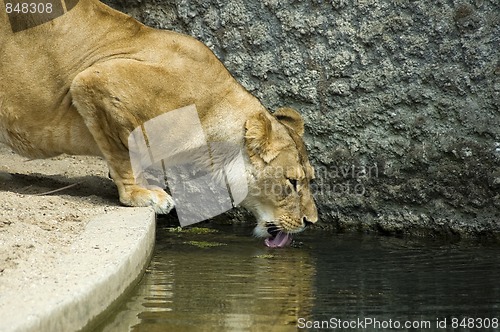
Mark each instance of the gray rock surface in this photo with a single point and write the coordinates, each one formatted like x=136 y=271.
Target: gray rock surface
x=401 y=99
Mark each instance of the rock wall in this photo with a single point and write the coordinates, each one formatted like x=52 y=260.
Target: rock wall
x=401 y=99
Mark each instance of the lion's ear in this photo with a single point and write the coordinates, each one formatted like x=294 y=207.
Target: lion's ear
x=291 y=118
x=258 y=137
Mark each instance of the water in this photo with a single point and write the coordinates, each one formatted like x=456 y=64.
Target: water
x=228 y=281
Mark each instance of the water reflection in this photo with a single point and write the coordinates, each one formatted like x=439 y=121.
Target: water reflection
x=388 y=279
x=228 y=281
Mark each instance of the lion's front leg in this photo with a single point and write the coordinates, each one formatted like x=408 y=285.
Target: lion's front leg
x=102 y=97
x=133 y=194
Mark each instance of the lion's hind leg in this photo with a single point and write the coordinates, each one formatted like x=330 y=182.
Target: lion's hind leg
x=101 y=95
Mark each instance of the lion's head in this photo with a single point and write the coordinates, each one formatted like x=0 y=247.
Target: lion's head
x=279 y=176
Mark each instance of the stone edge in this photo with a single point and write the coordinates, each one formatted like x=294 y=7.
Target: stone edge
x=110 y=255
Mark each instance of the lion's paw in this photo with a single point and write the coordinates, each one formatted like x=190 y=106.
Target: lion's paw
x=152 y=196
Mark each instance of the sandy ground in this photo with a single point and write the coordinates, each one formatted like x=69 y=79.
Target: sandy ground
x=36 y=226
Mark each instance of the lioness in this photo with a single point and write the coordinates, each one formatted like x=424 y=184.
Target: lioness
x=79 y=83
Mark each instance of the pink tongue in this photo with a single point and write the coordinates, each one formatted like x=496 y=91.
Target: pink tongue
x=280 y=240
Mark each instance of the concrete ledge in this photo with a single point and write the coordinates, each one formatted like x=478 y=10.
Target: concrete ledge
x=109 y=256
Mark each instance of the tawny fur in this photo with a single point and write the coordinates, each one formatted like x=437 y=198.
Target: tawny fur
x=81 y=83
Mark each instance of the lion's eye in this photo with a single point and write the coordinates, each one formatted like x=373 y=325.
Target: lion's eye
x=294 y=183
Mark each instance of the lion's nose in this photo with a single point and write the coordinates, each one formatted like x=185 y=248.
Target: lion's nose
x=307 y=222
